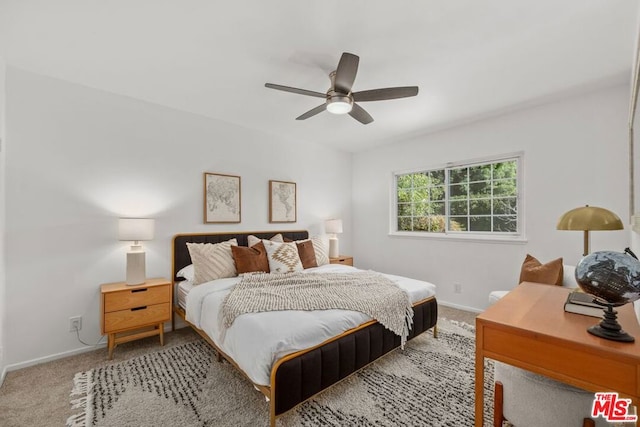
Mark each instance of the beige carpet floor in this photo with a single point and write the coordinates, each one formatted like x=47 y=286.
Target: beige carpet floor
x=39 y=395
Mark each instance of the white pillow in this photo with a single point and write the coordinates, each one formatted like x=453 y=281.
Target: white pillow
x=212 y=261
x=569 y=276
x=321 y=248
x=187 y=273
x=253 y=240
x=283 y=257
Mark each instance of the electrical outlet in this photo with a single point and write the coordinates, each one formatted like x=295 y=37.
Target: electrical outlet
x=75 y=323
x=457 y=288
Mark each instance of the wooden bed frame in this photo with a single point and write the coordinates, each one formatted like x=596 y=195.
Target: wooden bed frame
x=299 y=376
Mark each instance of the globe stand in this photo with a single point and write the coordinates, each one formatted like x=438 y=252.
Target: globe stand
x=609 y=328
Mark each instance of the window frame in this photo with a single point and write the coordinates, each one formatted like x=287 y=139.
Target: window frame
x=485 y=236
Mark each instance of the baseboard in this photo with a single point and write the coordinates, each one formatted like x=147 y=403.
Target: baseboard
x=45 y=359
x=3 y=375
x=4 y=368
x=460 y=307
x=51 y=357
x=179 y=323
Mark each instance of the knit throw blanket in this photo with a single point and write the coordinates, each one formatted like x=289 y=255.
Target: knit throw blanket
x=367 y=292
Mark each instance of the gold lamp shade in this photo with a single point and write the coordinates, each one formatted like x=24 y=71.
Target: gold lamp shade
x=589 y=218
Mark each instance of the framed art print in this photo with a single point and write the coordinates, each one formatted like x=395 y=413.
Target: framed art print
x=221 y=198
x=282 y=201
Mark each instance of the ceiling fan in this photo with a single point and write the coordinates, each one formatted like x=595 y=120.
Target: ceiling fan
x=339 y=99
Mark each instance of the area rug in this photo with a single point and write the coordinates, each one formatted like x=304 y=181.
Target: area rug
x=429 y=383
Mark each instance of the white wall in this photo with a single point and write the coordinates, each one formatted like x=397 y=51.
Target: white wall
x=78 y=158
x=3 y=311
x=575 y=153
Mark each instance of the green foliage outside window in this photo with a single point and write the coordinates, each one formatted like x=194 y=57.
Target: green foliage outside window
x=470 y=198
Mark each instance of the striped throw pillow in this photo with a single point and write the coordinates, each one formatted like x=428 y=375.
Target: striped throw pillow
x=321 y=248
x=212 y=261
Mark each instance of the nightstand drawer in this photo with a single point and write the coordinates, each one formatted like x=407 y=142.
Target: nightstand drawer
x=136 y=317
x=344 y=260
x=136 y=297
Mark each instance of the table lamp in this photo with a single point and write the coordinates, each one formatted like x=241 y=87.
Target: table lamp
x=135 y=229
x=333 y=227
x=588 y=218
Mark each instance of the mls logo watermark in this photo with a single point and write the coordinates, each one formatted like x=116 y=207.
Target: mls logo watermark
x=612 y=408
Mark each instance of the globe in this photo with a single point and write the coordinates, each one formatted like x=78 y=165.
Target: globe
x=612 y=277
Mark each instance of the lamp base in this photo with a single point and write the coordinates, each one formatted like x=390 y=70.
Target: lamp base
x=609 y=328
x=333 y=247
x=136 y=269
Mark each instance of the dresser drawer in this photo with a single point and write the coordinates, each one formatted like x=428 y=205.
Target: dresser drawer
x=136 y=297
x=136 y=317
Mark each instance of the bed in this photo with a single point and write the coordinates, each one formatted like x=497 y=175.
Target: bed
x=295 y=376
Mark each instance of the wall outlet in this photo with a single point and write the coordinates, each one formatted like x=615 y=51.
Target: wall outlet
x=457 y=288
x=75 y=323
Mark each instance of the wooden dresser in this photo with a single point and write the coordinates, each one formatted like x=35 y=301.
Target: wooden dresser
x=132 y=312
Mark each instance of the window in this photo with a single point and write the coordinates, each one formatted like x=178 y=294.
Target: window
x=472 y=198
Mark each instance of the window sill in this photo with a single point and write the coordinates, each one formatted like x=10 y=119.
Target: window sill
x=479 y=238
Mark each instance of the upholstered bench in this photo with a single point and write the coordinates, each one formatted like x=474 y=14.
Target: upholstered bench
x=568 y=281
x=527 y=399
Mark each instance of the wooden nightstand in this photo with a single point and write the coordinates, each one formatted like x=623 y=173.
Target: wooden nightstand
x=342 y=259
x=132 y=312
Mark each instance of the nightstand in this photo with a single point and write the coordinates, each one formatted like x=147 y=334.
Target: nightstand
x=342 y=259
x=132 y=312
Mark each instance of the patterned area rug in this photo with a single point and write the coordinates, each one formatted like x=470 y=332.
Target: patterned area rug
x=429 y=383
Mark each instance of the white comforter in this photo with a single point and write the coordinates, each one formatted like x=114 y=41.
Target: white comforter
x=256 y=340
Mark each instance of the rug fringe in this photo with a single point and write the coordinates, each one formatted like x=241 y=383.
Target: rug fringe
x=463 y=325
x=80 y=383
x=77 y=420
x=83 y=387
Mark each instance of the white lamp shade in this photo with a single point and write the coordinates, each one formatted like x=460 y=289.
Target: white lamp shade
x=333 y=226
x=135 y=229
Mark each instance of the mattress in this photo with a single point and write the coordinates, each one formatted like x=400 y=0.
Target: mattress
x=256 y=340
x=182 y=289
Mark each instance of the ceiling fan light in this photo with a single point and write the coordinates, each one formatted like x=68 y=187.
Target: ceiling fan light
x=339 y=105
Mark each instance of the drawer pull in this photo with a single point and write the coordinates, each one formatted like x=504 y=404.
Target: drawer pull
x=139 y=308
x=139 y=290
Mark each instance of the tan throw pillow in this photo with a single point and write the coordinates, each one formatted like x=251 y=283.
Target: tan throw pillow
x=249 y=260
x=306 y=253
x=321 y=248
x=534 y=271
x=253 y=240
x=283 y=257
x=212 y=261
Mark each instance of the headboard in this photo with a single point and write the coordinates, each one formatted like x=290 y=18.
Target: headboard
x=181 y=257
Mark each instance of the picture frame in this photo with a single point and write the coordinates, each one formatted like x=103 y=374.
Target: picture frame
x=282 y=201
x=222 y=198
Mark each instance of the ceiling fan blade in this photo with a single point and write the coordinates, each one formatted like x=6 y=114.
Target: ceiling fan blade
x=319 y=109
x=296 y=90
x=346 y=72
x=358 y=113
x=386 y=93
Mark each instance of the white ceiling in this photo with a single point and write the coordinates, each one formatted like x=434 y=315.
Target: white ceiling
x=470 y=58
